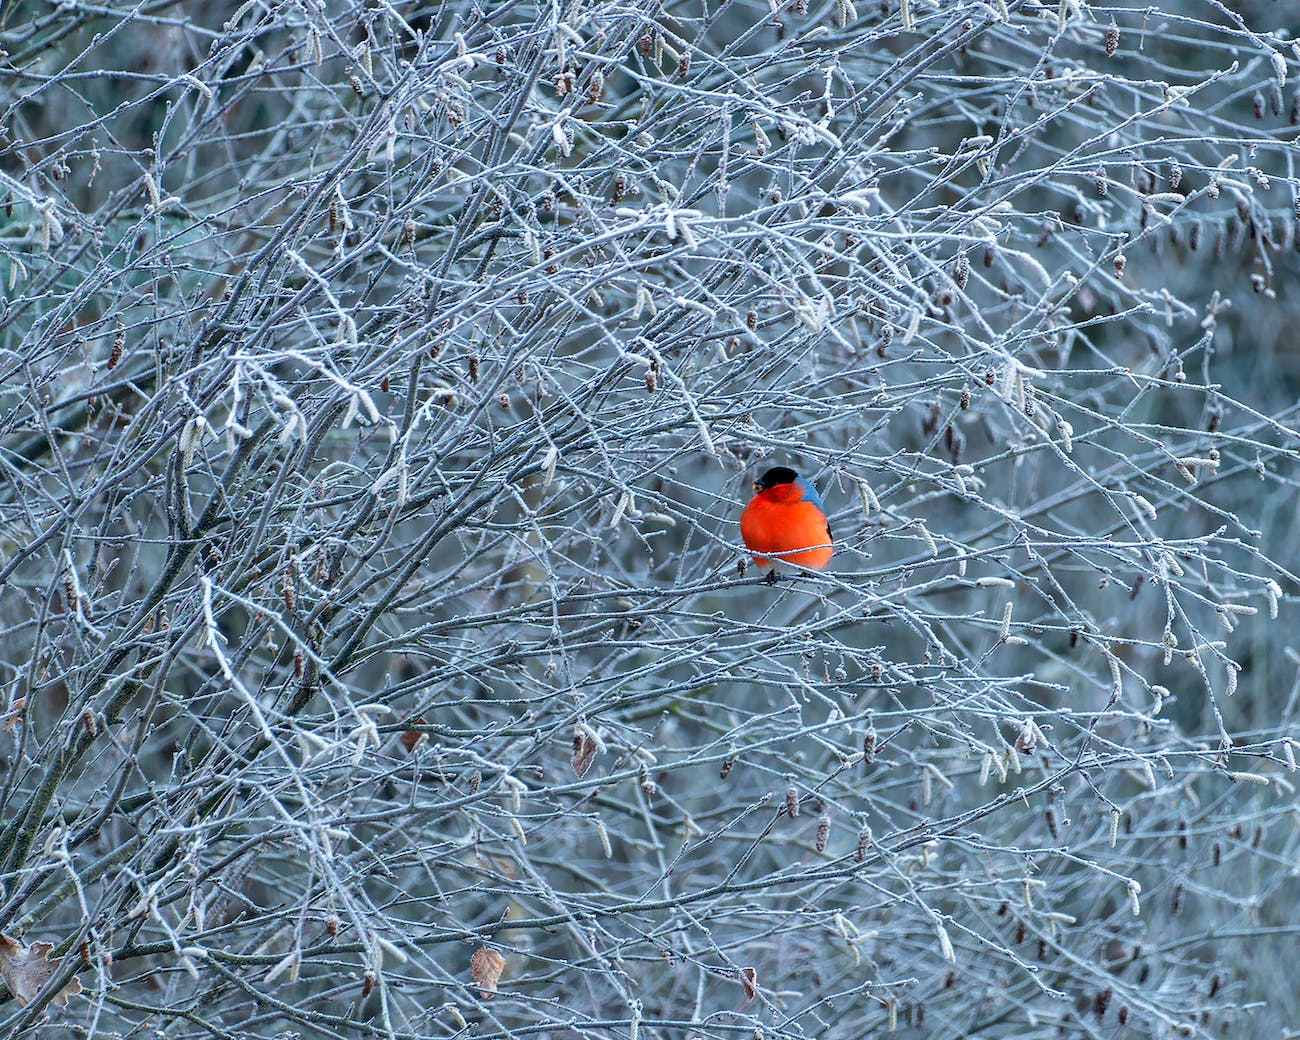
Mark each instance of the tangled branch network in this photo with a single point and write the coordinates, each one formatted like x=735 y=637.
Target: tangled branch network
x=380 y=385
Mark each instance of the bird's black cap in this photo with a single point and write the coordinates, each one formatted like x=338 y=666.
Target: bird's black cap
x=778 y=475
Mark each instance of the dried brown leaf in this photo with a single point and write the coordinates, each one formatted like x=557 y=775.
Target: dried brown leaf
x=584 y=751
x=26 y=970
x=749 y=979
x=1026 y=741
x=412 y=737
x=486 y=966
x=16 y=714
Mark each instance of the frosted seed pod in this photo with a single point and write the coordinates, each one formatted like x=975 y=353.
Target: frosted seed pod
x=1002 y=583
x=945 y=944
x=605 y=839
x=1158 y=694
x=1274 y=593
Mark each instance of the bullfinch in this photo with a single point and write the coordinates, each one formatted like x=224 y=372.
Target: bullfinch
x=785 y=523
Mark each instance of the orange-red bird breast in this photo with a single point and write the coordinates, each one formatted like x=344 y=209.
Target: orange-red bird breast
x=785 y=521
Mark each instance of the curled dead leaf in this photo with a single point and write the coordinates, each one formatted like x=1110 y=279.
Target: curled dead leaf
x=16 y=713
x=486 y=966
x=26 y=970
x=1026 y=740
x=749 y=979
x=412 y=737
x=584 y=750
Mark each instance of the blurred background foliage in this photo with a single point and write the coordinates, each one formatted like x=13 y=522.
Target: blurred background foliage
x=380 y=384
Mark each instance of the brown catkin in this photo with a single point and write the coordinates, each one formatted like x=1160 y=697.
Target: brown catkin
x=1236 y=235
x=1112 y=40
